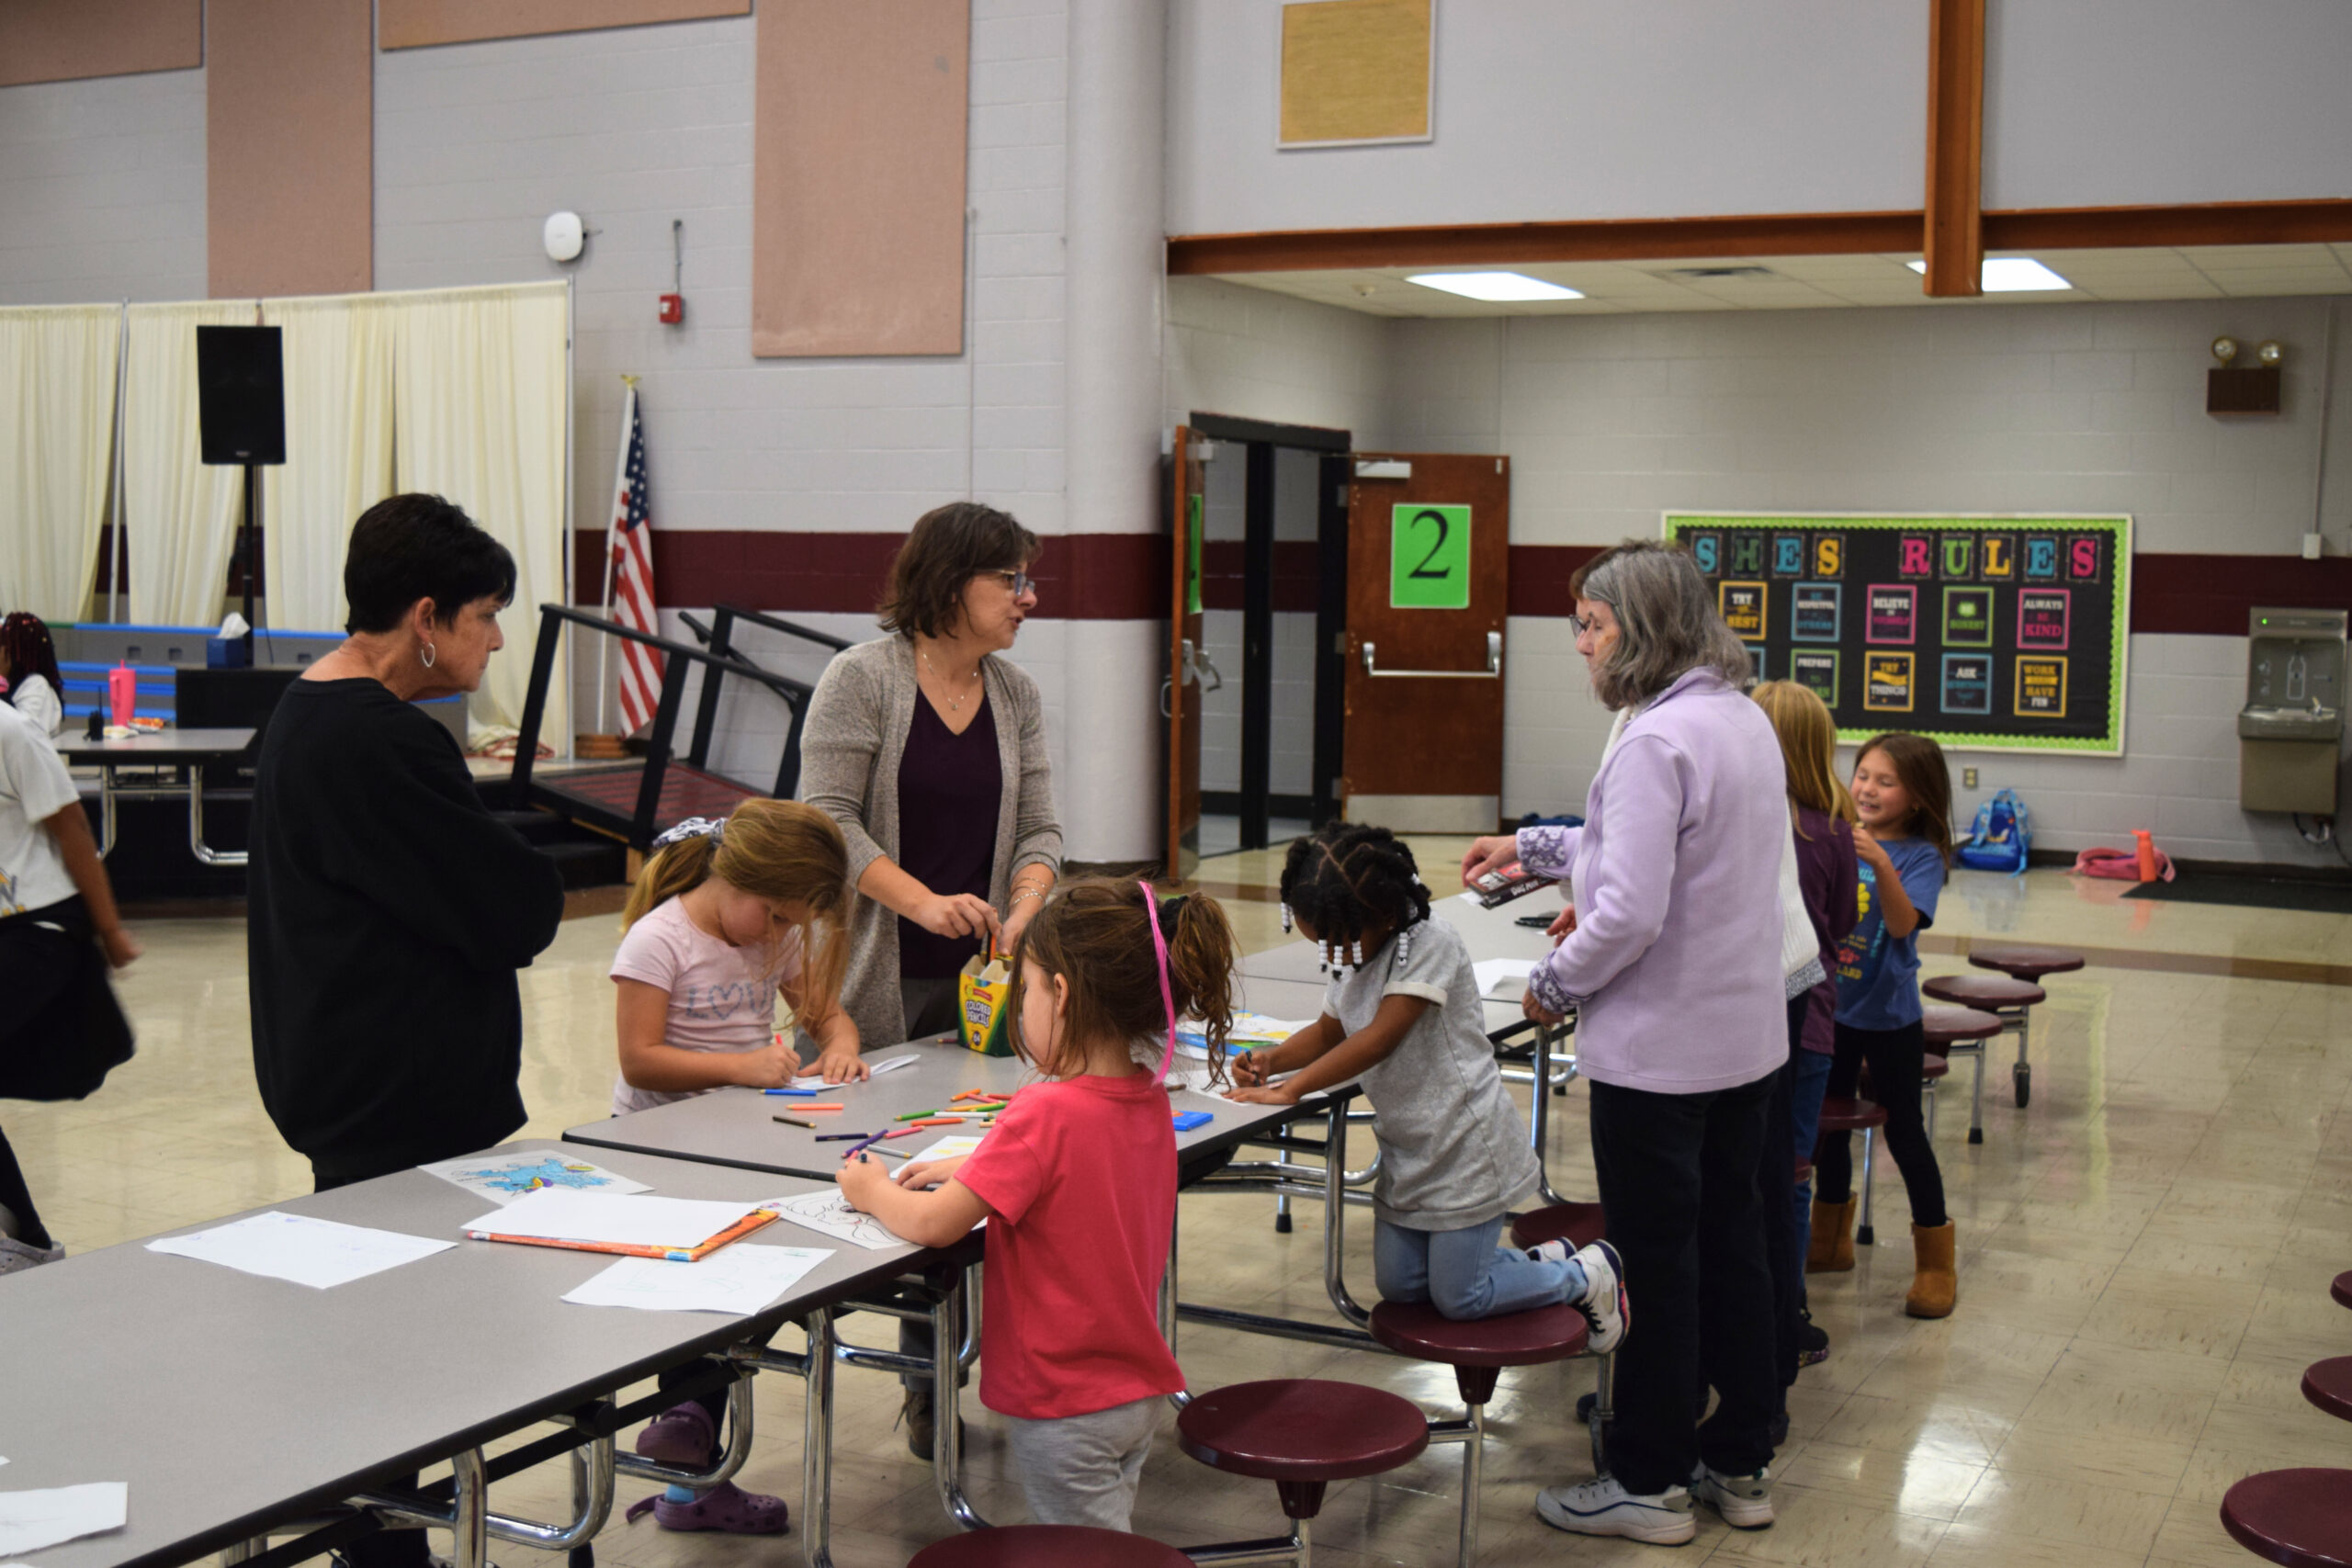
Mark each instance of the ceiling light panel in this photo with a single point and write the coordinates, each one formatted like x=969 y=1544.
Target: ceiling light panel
x=1494 y=286
x=2011 y=274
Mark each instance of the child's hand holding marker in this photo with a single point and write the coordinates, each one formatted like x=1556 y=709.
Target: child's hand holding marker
x=859 y=1179
x=773 y=1066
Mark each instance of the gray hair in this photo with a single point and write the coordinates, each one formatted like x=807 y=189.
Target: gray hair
x=1666 y=619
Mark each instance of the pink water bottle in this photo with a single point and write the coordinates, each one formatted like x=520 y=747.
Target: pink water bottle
x=122 y=694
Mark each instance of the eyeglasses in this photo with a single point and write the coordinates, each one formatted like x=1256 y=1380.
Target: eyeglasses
x=1020 y=583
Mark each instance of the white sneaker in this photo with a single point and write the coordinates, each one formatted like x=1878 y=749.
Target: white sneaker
x=1605 y=1508
x=15 y=1255
x=1743 y=1501
x=1603 y=1303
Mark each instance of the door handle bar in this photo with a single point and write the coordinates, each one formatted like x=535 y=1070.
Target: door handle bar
x=1493 y=665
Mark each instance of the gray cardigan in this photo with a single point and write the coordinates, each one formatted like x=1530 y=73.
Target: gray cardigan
x=849 y=750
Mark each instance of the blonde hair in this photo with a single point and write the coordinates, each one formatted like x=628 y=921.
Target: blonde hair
x=1809 y=746
x=769 y=849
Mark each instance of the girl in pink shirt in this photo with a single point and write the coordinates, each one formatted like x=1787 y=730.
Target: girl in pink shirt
x=723 y=919
x=1077 y=1183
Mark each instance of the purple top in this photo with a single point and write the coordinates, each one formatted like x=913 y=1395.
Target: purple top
x=950 y=786
x=1826 y=876
x=1675 y=964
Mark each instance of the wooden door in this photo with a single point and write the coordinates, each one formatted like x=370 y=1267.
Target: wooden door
x=1180 y=690
x=1428 y=584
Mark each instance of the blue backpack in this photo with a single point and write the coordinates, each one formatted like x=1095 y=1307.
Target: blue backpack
x=2000 y=837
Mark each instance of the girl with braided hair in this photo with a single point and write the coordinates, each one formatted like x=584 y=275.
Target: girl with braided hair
x=1402 y=1016
x=29 y=664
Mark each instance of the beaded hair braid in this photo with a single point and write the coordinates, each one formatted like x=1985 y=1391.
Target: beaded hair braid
x=1347 y=877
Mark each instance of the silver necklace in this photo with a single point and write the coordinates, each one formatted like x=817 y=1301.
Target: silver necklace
x=954 y=704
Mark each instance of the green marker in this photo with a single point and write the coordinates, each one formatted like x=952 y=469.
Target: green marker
x=913 y=1115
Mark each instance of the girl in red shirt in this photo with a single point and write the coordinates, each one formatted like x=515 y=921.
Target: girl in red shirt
x=1077 y=1182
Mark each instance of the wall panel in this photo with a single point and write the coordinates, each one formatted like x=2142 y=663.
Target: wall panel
x=64 y=41
x=410 y=24
x=290 y=147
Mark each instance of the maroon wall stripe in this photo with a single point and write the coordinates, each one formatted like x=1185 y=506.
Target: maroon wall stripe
x=1125 y=576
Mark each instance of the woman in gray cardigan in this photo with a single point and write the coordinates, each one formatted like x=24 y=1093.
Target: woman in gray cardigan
x=931 y=754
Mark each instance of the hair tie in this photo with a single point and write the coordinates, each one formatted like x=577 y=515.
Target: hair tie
x=693 y=828
x=1167 y=995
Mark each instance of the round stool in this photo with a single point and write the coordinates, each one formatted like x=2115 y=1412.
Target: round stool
x=2301 y=1518
x=2026 y=962
x=2328 y=1385
x=1857 y=1116
x=2010 y=1000
x=1477 y=1350
x=2341 y=1288
x=1301 y=1434
x=1578 y=1224
x=1049 y=1546
x=1956 y=1031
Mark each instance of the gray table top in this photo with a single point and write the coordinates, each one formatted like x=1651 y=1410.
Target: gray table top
x=163 y=746
x=228 y=1402
x=737 y=1126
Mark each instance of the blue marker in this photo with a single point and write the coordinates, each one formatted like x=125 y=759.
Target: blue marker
x=803 y=1093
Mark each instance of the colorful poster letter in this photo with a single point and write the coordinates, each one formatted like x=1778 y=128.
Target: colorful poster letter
x=1915 y=556
x=1816 y=671
x=1887 y=682
x=2081 y=558
x=1756 y=651
x=1997 y=557
x=2042 y=614
x=2041 y=559
x=1829 y=555
x=1788 y=555
x=2041 y=687
x=1747 y=555
x=1968 y=617
x=1959 y=556
x=1815 y=611
x=1741 y=607
x=1895 y=614
x=1968 y=682
x=1706 y=550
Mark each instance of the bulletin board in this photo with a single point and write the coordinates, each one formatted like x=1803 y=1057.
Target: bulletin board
x=1988 y=633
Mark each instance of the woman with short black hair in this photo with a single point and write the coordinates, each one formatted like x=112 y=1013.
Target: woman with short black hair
x=387 y=909
x=930 y=751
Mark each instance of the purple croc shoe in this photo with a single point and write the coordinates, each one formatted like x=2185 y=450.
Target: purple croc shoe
x=684 y=1436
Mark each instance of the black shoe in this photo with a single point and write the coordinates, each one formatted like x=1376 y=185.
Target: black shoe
x=922 y=1428
x=1813 y=1345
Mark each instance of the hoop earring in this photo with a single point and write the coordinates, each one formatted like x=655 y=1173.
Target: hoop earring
x=428 y=656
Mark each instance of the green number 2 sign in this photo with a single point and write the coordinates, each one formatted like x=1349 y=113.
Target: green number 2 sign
x=1429 y=557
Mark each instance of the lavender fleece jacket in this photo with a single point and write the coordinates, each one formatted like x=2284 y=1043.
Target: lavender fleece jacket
x=1675 y=964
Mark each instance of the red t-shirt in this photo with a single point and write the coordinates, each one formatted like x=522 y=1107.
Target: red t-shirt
x=1079 y=1176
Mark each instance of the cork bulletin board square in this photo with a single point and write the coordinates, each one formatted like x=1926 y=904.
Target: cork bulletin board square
x=1356 y=72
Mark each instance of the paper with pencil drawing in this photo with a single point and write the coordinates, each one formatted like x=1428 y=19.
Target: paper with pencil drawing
x=827 y=1213
x=31 y=1520
x=502 y=1179
x=738 y=1279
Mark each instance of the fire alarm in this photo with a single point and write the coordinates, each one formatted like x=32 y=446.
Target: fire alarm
x=673 y=310
x=673 y=304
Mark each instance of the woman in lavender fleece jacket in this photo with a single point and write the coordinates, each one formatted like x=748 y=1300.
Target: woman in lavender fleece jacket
x=1671 y=959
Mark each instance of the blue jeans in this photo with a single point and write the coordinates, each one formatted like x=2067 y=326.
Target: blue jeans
x=1805 y=1116
x=1465 y=1274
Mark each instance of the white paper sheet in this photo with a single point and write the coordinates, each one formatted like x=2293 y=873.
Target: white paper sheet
x=738 y=1279
x=30 y=1520
x=1196 y=1080
x=318 y=1253
x=502 y=1178
x=1248 y=1028
x=888 y=1064
x=947 y=1148
x=557 y=1213
x=1503 y=979
x=827 y=1213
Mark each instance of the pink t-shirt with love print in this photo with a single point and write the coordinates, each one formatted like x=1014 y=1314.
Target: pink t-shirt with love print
x=722 y=998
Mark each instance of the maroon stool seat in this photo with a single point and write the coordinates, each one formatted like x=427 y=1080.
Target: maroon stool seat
x=1049 y=1546
x=1857 y=1116
x=2328 y=1384
x=2011 y=998
x=1956 y=1031
x=1578 y=1224
x=1301 y=1434
x=2341 y=1288
x=1477 y=1349
x=2026 y=962
x=2301 y=1518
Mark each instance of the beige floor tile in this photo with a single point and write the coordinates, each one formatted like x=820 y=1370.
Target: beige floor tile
x=1905 y=1483
x=1969 y=1546
x=1819 y=1529
x=2075 y=1513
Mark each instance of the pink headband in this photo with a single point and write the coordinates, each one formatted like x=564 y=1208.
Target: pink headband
x=1166 y=997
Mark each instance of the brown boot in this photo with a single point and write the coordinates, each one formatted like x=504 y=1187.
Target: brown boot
x=1832 y=1251
x=1936 y=1283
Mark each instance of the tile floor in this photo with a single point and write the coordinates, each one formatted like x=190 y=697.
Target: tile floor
x=2144 y=1258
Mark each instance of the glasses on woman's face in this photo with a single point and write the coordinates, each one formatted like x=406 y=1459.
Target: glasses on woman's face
x=1020 y=583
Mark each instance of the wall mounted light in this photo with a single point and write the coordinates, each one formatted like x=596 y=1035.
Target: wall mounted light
x=2231 y=389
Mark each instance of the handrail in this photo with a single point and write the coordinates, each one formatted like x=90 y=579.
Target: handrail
x=790 y=628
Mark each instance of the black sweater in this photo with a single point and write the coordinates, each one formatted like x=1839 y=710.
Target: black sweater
x=386 y=912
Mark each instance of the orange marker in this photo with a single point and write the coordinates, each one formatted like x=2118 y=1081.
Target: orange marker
x=815 y=1105
x=936 y=1121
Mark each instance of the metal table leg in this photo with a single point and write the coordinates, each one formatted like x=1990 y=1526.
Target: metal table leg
x=947 y=1425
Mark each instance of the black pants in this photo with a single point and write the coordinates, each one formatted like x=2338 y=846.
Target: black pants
x=1677 y=1175
x=1775 y=1174
x=1896 y=1056
x=19 y=1201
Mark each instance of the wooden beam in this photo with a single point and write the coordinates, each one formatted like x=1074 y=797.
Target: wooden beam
x=2318 y=222
x=1634 y=239
x=1955 y=240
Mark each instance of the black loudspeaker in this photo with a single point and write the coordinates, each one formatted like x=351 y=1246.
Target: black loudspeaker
x=240 y=395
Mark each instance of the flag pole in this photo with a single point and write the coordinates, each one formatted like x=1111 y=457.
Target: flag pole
x=612 y=521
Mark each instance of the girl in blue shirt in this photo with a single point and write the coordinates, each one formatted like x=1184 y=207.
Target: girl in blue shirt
x=1902 y=792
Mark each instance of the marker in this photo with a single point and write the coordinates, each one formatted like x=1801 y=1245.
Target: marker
x=836 y=1137
x=856 y=1149
x=794 y=1122
x=912 y=1115
x=895 y=1153
x=936 y=1121
x=804 y=1092
x=900 y=1133
x=821 y=1105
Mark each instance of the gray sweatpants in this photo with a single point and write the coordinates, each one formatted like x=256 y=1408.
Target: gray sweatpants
x=1082 y=1470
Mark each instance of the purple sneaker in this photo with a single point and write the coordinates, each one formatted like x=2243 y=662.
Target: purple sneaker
x=682 y=1435
x=725 y=1507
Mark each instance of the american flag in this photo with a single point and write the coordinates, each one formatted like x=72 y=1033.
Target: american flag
x=629 y=597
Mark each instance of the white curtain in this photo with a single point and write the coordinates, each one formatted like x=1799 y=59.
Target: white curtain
x=181 y=516
x=338 y=352
x=57 y=382
x=479 y=417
